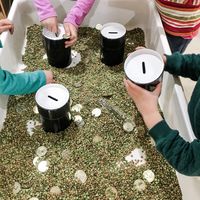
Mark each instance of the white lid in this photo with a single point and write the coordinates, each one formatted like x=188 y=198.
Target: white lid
x=52 y=36
x=113 y=30
x=144 y=66
x=52 y=96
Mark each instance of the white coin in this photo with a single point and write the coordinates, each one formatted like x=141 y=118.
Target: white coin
x=43 y=166
x=41 y=151
x=139 y=185
x=44 y=57
x=17 y=188
x=111 y=193
x=55 y=190
x=96 y=112
x=35 y=110
x=78 y=120
x=76 y=108
x=128 y=126
x=81 y=176
x=99 y=27
x=33 y=198
x=149 y=175
x=36 y=160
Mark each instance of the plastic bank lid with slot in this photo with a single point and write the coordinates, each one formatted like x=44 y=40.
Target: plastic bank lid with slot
x=52 y=96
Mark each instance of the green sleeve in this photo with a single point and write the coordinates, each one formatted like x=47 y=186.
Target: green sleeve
x=1 y=46
x=184 y=65
x=183 y=156
x=22 y=83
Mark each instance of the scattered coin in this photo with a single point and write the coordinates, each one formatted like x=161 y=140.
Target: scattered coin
x=111 y=193
x=96 y=112
x=78 y=120
x=76 y=108
x=41 y=151
x=36 y=160
x=35 y=110
x=43 y=166
x=55 y=190
x=149 y=175
x=81 y=176
x=99 y=27
x=44 y=56
x=139 y=185
x=128 y=126
x=17 y=188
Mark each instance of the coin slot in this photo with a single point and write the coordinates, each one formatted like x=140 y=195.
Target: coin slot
x=113 y=32
x=143 y=68
x=53 y=98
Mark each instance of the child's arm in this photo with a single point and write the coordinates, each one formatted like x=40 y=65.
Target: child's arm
x=47 y=15
x=74 y=19
x=45 y=9
x=184 y=65
x=78 y=12
x=23 y=83
x=182 y=155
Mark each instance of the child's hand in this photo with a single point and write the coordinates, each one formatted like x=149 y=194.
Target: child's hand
x=6 y=24
x=49 y=77
x=70 y=30
x=51 y=24
x=145 y=101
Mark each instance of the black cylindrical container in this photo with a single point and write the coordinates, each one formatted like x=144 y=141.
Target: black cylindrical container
x=53 y=104
x=113 y=36
x=145 y=68
x=54 y=44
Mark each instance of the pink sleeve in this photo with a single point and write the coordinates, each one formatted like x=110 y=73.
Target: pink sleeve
x=44 y=9
x=78 y=12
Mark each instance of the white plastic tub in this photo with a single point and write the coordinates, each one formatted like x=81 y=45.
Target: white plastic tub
x=130 y=13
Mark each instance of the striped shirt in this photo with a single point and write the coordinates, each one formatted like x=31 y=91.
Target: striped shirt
x=180 y=17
